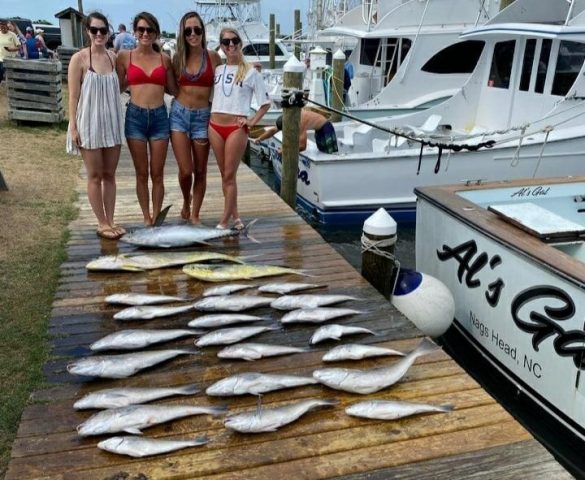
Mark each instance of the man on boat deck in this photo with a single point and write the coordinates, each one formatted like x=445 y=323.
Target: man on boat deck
x=324 y=132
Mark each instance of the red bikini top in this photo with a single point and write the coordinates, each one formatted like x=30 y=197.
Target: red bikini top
x=137 y=76
x=203 y=78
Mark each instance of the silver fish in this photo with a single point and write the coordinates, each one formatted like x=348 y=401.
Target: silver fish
x=335 y=332
x=178 y=235
x=134 y=418
x=222 y=319
x=317 y=315
x=255 y=351
x=228 y=273
x=284 y=288
x=134 y=339
x=148 y=312
x=374 y=379
x=292 y=302
x=124 y=396
x=391 y=410
x=270 y=419
x=232 y=303
x=256 y=384
x=355 y=351
x=137 y=299
x=121 y=366
x=138 y=447
x=226 y=289
x=226 y=336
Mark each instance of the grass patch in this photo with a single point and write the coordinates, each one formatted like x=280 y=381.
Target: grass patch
x=34 y=214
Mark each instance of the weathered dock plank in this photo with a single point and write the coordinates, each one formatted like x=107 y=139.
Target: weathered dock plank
x=479 y=439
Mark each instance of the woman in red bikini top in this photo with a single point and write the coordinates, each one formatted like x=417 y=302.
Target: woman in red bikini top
x=193 y=64
x=148 y=74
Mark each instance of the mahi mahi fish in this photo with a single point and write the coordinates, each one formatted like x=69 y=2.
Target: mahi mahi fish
x=134 y=339
x=256 y=351
x=227 y=336
x=134 y=418
x=220 y=273
x=355 y=351
x=222 y=319
x=391 y=410
x=284 y=288
x=124 y=396
x=292 y=302
x=374 y=379
x=256 y=384
x=226 y=289
x=121 y=366
x=137 y=299
x=148 y=312
x=179 y=235
x=139 y=262
x=231 y=303
x=317 y=315
x=138 y=447
x=335 y=332
x=270 y=419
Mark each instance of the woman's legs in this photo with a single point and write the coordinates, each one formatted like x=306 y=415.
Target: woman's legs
x=182 y=150
x=139 y=151
x=158 y=157
x=111 y=157
x=200 y=149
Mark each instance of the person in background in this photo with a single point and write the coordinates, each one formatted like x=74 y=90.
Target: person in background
x=31 y=44
x=147 y=121
x=13 y=27
x=9 y=45
x=325 y=137
x=194 y=65
x=124 y=40
x=235 y=84
x=95 y=121
x=44 y=51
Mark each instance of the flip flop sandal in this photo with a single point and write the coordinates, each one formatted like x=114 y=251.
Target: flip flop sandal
x=107 y=233
x=238 y=224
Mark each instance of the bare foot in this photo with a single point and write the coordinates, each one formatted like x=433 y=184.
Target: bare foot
x=107 y=232
x=119 y=230
x=186 y=211
x=195 y=221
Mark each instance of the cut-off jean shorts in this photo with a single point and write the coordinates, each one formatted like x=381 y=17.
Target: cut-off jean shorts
x=146 y=123
x=192 y=121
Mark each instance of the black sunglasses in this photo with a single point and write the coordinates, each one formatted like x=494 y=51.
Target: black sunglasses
x=96 y=30
x=195 y=30
x=226 y=41
x=143 y=30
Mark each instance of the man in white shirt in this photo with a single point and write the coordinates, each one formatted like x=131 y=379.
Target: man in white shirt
x=124 y=40
x=9 y=45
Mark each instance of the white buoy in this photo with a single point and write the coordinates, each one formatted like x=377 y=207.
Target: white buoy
x=425 y=301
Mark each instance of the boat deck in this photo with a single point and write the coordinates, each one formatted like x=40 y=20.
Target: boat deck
x=478 y=439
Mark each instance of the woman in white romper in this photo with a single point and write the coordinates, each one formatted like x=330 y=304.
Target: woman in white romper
x=96 y=121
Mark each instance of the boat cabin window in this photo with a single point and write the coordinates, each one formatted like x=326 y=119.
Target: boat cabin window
x=461 y=57
x=569 y=63
x=372 y=52
x=261 y=49
x=528 y=61
x=542 y=65
x=501 y=69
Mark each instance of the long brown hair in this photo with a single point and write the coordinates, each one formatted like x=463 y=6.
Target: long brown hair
x=243 y=66
x=152 y=22
x=182 y=53
x=97 y=16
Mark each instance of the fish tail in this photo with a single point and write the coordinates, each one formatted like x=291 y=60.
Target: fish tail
x=446 y=408
x=218 y=410
x=201 y=440
x=425 y=346
x=329 y=402
x=246 y=230
x=188 y=390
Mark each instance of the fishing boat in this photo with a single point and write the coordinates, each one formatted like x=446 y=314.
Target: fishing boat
x=519 y=115
x=512 y=253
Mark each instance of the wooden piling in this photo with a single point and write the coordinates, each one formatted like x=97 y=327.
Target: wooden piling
x=297 y=33
x=272 y=42
x=337 y=84
x=291 y=118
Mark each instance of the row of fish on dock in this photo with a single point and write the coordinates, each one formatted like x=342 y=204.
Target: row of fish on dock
x=126 y=409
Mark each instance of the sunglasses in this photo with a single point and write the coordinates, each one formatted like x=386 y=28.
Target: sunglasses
x=226 y=41
x=96 y=30
x=143 y=30
x=195 y=30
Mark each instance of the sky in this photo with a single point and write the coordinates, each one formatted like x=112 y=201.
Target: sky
x=168 y=12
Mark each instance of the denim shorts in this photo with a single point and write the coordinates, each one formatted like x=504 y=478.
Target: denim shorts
x=146 y=123
x=192 y=121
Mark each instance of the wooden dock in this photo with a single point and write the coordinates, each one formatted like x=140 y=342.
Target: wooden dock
x=478 y=439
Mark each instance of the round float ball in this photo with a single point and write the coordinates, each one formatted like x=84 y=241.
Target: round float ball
x=425 y=301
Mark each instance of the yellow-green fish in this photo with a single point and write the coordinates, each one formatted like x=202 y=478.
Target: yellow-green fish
x=221 y=273
x=150 y=261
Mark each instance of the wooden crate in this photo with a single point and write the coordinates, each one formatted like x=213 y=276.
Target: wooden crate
x=65 y=54
x=34 y=90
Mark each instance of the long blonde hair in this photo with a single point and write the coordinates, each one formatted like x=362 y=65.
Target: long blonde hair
x=182 y=53
x=243 y=66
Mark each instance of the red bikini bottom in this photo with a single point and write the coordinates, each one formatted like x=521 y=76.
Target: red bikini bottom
x=224 y=131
